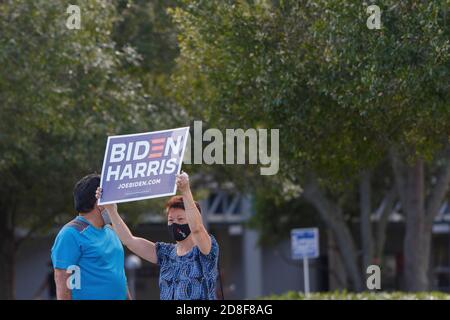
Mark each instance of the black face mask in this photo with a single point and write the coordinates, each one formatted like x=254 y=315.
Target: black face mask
x=179 y=232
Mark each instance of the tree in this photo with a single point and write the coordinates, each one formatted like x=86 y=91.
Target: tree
x=403 y=84
x=61 y=93
x=346 y=97
x=146 y=27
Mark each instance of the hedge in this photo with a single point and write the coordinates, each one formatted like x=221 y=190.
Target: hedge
x=343 y=295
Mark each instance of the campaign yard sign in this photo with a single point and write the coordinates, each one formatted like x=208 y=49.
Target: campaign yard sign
x=142 y=166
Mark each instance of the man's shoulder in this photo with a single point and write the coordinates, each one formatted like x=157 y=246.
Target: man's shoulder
x=72 y=229
x=77 y=225
x=67 y=235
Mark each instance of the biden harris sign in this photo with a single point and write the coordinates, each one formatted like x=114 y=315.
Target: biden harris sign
x=142 y=166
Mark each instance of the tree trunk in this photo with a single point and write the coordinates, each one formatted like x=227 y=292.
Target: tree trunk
x=336 y=272
x=365 y=223
x=420 y=214
x=332 y=215
x=383 y=212
x=7 y=258
x=417 y=233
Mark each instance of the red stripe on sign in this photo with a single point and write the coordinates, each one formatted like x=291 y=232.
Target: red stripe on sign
x=157 y=141
x=157 y=148
x=155 y=155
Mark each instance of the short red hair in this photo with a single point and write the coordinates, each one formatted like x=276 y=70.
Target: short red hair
x=177 y=202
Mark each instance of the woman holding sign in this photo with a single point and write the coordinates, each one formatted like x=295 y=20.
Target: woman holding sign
x=188 y=268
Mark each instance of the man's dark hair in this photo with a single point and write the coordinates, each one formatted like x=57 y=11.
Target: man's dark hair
x=84 y=193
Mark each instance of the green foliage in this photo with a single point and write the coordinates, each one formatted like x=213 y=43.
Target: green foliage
x=62 y=92
x=341 y=94
x=146 y=27
x=338 y=295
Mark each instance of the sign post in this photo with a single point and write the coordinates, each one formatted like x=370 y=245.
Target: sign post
x=305 y=245
x=306 y=274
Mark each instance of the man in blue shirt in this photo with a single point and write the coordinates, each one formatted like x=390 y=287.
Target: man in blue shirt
x=87 y=255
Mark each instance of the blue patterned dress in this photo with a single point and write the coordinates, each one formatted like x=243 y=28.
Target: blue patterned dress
x=189 y=277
